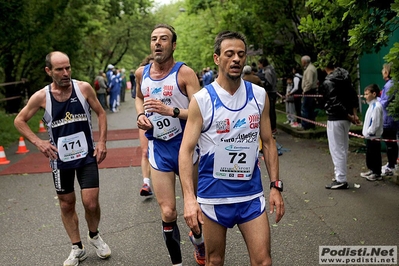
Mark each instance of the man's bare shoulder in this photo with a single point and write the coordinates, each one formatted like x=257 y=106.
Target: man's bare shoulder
x=38 y=98
x=184 y=69
x=83 y=84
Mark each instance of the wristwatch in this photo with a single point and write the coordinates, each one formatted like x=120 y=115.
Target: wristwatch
x=277 y=184
x=176 y=112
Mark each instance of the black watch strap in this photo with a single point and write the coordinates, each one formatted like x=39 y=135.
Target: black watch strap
x=277 y=185
x=176 y=112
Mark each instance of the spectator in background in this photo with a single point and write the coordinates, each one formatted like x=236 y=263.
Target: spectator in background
x=123 y=85
x=309 y=87
x=210 y=74
x=341 y=108
x=249 y=75
x=206 y=77
x=297 y=71
x=102 y=89
x=115 y=90
x=372 y=129
x=389 y=123
x=109 y=73
x=268 y=76
x=289 y=102
x=132 y=80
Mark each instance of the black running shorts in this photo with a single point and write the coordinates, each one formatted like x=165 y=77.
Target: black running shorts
x=87 y=175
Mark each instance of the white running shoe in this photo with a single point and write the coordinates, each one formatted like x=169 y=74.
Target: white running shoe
x=102 y=249
x=75 y=256
x=384 y=166
x=373 y=177
x=366 y=174
x=387 y=171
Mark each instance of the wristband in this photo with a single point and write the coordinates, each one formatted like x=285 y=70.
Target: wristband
x=140 y=114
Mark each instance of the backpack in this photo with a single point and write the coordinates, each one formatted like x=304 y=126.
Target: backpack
x=96 y=85
x=299 y=91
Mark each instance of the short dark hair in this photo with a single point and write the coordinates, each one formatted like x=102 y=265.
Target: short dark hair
x=166 y=26
x=223 y=35
x=373 y=88
x=48 y=58
x=264 y=61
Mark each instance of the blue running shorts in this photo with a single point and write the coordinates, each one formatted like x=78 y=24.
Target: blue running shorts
x=229 y=215
x=164 y=155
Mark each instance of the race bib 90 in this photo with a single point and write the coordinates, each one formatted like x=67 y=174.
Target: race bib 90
x=165 y=127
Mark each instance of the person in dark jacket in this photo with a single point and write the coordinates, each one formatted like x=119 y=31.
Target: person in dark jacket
x=390 y=125
x=249 y=75
x=341 y=104
x=269 y=79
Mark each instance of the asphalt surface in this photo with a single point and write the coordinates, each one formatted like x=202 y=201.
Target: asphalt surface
x=32 y=232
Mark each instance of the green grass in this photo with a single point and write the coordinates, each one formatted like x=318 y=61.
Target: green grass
x=322 y=118
x=9 y=134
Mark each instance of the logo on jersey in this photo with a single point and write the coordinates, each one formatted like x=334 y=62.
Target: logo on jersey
x=166 y=101
x=254 y=121
x=156 y=90
x=236 y=148
x=74 y=99
x=146 y=92
x=167 y=90
x=69 y=118
x=250 y=137
x=240 y=123
x=223 y=126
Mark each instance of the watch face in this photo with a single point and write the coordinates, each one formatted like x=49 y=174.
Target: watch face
x=176 y=111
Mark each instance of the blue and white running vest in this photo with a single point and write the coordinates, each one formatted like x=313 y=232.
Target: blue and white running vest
x=229 y=169
x=69 y=127
x=166 y=90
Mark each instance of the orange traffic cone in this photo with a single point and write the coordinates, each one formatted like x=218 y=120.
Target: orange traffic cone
x=21 y=146
x=3 y=159
x=41 y=127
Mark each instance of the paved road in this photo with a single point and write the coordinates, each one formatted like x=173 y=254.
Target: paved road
x=32 y=232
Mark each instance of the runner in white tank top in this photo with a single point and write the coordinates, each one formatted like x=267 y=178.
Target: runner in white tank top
x=225 y=119
x=166 y=88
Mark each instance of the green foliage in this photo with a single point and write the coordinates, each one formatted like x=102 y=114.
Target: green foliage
x=393 y=57
x=330 y=26
x=93 y=33
x=9 y=134
x=364 y=26
x=270 y=26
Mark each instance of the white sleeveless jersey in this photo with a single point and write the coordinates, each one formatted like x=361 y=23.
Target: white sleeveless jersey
x=229 y=169
x=166 y=90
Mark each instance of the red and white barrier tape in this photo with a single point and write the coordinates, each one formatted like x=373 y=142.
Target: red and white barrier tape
x=324 y=125
x=308 y=95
